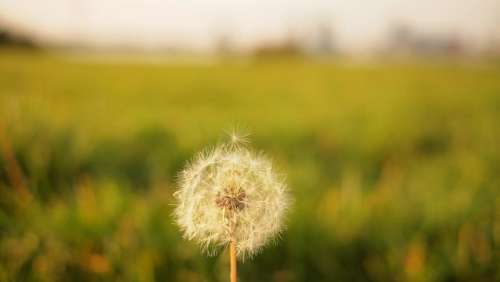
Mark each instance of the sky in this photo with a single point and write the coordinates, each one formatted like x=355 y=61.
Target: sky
x=199 y=24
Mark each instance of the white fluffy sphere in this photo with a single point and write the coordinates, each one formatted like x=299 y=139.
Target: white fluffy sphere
x=231 y=193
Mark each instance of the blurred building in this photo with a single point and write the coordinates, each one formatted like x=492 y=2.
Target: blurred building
x=404 y=40
x=323 y=41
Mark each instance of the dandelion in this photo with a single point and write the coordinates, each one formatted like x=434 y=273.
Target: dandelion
x=231 y=195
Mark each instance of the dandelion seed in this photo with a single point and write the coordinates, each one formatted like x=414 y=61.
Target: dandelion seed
x=231 y=195
x=237 y=138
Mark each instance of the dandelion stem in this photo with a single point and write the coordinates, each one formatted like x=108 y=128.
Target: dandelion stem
x=232 y=254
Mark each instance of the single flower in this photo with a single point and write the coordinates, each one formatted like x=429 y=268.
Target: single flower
x=231 y=194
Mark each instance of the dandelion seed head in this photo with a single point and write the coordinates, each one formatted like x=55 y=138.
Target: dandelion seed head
x=231 y=192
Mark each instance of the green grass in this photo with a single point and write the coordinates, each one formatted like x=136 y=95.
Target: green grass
x=394 y=166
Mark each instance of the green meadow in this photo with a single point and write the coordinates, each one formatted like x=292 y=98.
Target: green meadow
x=394 y=166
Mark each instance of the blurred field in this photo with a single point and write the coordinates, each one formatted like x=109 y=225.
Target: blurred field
x=395 y=167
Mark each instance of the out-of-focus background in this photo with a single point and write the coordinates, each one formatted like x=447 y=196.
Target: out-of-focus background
x=385 y=115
